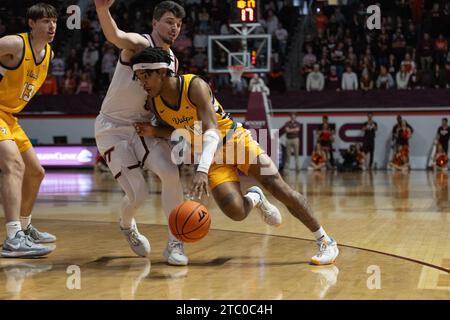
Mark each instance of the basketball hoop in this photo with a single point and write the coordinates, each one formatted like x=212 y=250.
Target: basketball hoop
x=236 y=72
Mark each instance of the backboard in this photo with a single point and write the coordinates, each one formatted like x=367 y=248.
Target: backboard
x=253 y=51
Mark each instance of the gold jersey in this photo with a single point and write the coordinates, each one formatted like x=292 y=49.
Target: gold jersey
x=184 y=115
x=18 y=85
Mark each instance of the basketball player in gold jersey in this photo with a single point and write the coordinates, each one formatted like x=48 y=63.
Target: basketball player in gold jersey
x=180 y=102
x=24 y=62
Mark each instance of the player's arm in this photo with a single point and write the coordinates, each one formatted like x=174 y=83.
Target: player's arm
x=121 y=39
x=200 y=95
x=10 y=46
x=148 y=129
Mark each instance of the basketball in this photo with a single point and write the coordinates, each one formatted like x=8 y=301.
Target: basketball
x=189 y=221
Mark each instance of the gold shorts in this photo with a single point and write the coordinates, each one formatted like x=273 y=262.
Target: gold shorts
x=237 y=154
x=10 y=129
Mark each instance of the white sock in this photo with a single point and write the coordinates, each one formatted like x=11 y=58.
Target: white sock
x=12 y=228
x=321 y=235
x=171 y=236
x=25 y=222
x=254 y=198
x=127 y=224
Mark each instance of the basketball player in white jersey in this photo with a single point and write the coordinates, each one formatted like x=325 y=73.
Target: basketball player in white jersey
x=125 y=103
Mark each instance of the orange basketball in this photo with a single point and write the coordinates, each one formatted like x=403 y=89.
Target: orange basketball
x=189 y=221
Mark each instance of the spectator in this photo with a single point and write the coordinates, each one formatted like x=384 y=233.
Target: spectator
x=400 y=161
x=398 y=44
x=276 y=81
x=409 y=64
x=439 y=77
x=90 y=55
x=318 y=159
x=333 y=82
x=350 y=161
x=385 y=80
x=403 y=134
x=338 y=58
x=369 y=129
x=443 y=135
x=366 y=82
x=108 y=66
x=69 y=83
x=415 y=82
x=85 y=85
x=200 y=40
x=440 y=49
x=426 y=52
x=315 y=80
x=349 y=80
x=58 y=67
x=49 y=87
x=402 y=78
x=321 y=21
x=325 y=136
x=281 y=35
x=271 y=22
x=292 y=129
x=309 y=58
x=392 y=66
x=257 y=85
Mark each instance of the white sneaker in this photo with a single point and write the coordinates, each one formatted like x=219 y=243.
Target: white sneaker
x=138 y=243
x=328 y=252
x=174 y=253
x=269 y=213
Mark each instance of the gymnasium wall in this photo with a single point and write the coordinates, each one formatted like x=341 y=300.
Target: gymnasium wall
x=425 y=124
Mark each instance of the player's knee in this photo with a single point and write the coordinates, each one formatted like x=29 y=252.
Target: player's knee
x=236 y=212
x=272 y=183
x=38 y=172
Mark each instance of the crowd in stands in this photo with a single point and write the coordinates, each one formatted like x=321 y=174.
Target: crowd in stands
x=87 y=64
x=410 y=51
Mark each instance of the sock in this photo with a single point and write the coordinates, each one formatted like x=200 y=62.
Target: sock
x=127 y=224
x=171 y=236
x=321 y=235
x=12 y=228
x=254 y=198
x=25 y=222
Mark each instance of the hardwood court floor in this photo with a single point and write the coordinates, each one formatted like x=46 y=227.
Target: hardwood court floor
x=389 y=224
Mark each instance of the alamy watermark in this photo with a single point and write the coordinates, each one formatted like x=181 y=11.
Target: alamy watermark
x=374 y=280
x=374 y=20
x=73 y=281
x=237 y=147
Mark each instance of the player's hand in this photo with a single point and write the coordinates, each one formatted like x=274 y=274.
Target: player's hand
x=199 y=185
x=144 y=129
x=103 y=4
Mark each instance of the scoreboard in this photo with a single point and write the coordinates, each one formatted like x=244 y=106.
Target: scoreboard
x=244 y=11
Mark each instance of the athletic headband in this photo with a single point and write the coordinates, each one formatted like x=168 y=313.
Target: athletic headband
x=150 y=66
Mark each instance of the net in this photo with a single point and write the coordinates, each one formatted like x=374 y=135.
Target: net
x=236 y=72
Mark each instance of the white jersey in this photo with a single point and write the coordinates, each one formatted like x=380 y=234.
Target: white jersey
x=126 y=99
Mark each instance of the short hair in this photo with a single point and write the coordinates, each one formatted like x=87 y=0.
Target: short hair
x=445 y=119
x=41 y=10
x=168 y=6
x=152 y=55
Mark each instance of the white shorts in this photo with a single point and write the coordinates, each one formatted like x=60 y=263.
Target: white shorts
x=121 y=146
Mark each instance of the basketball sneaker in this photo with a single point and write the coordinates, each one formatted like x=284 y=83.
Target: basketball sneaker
x=174 y=253
x=328 y=252
x=138 y=243
x=38 y=236
x=269 y=213
x=23 y=246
